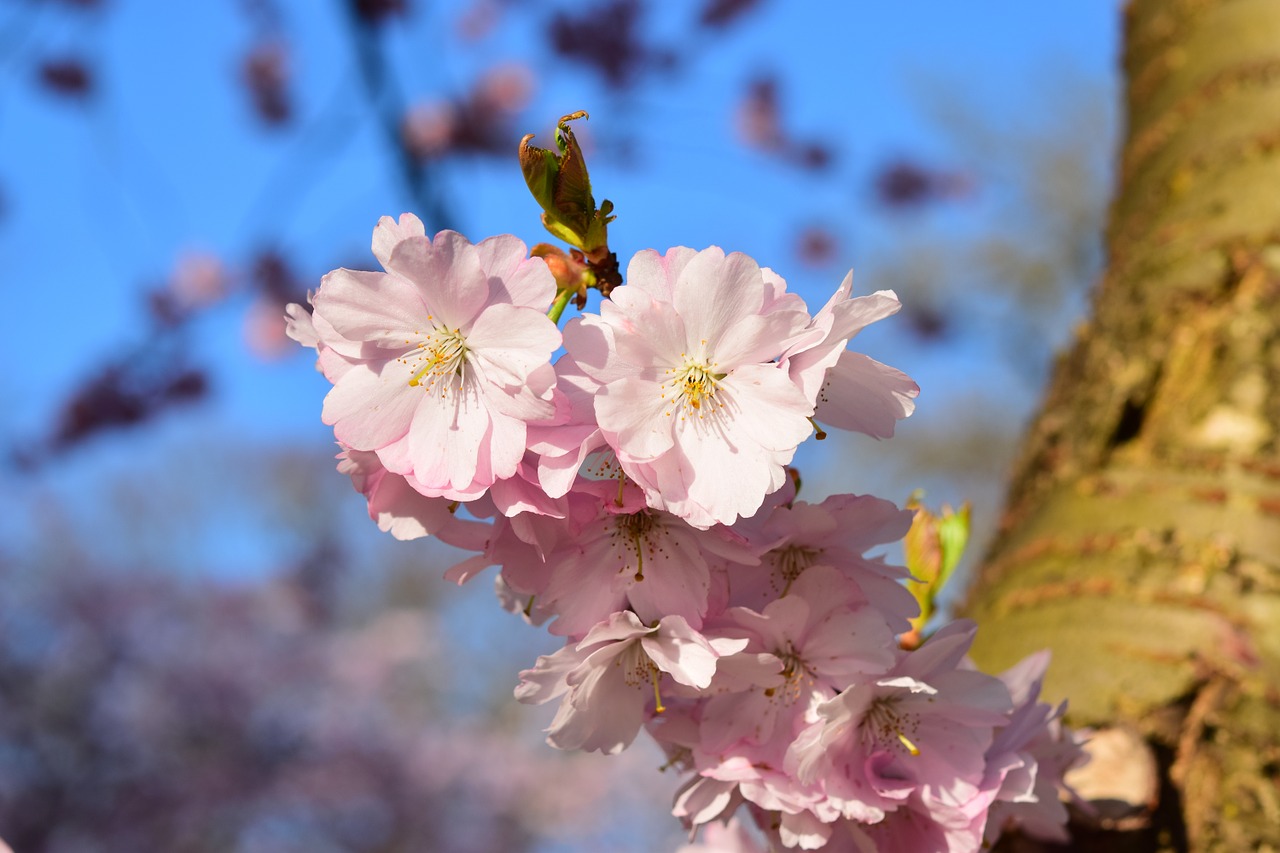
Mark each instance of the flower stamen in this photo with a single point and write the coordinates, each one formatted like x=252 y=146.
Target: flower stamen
x=693 y=384
x=442 y=354
x=886 y=724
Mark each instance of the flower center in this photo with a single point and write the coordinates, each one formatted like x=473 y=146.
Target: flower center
x=632 y=535
x=693 y=386
x=637 y=669
x=796 y=672
x=886 y=724
x=791 y=561
x=441 y=356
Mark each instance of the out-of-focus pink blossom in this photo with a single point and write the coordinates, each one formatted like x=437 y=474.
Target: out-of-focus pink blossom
x=1037 y=752
x=504 y=88
x=199 y=279
x=263 y=333
x=429 y=128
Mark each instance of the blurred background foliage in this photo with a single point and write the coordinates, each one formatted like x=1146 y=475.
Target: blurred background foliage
x=204 y=644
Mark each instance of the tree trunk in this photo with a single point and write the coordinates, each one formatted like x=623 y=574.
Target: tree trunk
x=1141 y=539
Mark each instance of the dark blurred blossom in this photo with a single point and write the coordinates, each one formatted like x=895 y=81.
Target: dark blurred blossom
x=124 y=393
x=68 y=76
x=927 y=320
x=265 y=72
x=814 y=156
x=904 y=184
x=721 y=13
x=273 y=276
x=608 y=37
x=143 y=713
x=378 y=11
x=816 y=245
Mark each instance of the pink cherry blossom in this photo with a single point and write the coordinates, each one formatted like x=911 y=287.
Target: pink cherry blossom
x=922 y=730
x=449 y=356
x=401 y=510
x=863 y=395
x=822 y=637
x=837 y=532
x=614 y=674
x=631 y=556
x=1037 y=752
x=691 y=397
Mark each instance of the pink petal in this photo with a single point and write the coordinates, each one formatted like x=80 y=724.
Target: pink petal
x=387 y=234
x=714 y=292
x=447 y=274
x=514 y=277
x=367 y=307
x=512 y=342
x=863 y=395
x=371 y=405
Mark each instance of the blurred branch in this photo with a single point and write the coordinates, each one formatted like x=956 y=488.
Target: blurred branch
x=389 y=108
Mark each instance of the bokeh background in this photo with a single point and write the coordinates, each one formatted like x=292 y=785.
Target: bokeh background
x=205 y=645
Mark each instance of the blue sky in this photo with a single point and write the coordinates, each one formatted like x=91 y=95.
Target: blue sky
x=103 y=197
x=165 y=158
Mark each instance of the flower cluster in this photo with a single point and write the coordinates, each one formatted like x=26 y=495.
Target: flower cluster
x=636 y=495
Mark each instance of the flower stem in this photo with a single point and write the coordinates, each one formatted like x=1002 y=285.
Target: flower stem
x=557 y=307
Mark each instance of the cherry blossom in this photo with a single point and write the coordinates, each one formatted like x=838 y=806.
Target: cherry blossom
x=636 y=499
x=691 y=397
x=613 y=673
x=837 y=532
x=921 y=730
x=851 y=391
x=1038 y=752
x=448 y=356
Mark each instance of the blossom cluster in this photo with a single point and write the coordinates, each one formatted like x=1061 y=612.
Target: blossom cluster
x=630 y=477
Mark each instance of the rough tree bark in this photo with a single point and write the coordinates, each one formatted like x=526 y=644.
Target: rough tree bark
x=1141 y=540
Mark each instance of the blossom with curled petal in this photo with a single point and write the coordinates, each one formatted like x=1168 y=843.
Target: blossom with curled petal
x=850 y=390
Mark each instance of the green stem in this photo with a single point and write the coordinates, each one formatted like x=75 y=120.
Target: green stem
x=557 y=307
